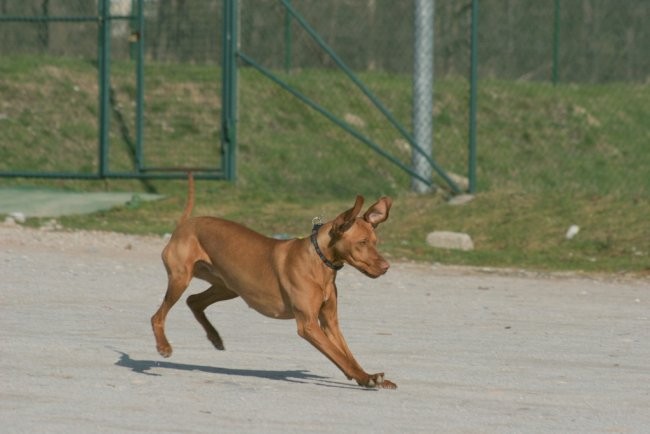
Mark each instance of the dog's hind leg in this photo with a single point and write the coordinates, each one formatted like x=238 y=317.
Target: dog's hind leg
x=199 y=302
x=178 y=280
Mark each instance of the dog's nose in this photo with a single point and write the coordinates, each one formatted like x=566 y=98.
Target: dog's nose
x=384 y=266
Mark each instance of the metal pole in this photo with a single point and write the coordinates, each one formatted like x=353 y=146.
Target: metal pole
x=139 y=102
x=229 y=90
x=104 y=84
x=423 y=92
x=375 y=101
x=471 y=175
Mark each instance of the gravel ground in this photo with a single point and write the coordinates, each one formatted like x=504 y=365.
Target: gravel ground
x=471 y=350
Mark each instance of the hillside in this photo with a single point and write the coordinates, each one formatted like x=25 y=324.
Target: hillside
x=549 y=157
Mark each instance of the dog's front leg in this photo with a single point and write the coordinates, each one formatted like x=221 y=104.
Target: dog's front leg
x=329 y=322
x=310 y=330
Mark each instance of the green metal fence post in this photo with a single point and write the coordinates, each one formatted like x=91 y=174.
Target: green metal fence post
x=103 y=63
x=229 y=90
x=139 y=97
x=471 y=166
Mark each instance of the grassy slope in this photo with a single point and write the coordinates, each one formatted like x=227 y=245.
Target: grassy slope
x=549 y=157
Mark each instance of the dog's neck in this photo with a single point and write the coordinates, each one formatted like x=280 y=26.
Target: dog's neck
x=314 y=241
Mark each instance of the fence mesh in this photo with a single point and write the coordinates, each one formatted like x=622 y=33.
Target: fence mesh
x=40 y=87
x=591 y=41
x=182 y=83
x=597 y=40
x=50 y=85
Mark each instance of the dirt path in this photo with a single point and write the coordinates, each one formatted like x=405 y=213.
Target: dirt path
x=471 y=351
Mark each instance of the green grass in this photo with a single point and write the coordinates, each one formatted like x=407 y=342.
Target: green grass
x=549 y=157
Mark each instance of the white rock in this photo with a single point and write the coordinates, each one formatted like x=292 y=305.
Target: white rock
x=572 y=231
x=461 y=181
x=461 y=199
x=18 y=216
x=450 y=240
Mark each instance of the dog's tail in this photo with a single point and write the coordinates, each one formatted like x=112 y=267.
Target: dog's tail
x=190 y=198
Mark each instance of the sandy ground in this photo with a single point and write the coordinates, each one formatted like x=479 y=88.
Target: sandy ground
x=471 y=350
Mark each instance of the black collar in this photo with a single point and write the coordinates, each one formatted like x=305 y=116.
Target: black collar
x=314 y=234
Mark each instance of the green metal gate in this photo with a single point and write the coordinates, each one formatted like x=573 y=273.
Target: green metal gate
x=221 y=18
x=103 y=19
x=292 y=14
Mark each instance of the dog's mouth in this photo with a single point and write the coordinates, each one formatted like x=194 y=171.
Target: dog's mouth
x=372 y=269
x=373 y=274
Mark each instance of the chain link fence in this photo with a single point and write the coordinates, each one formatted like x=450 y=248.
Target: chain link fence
x=581 y=41
x=51 y=83
x=592 y=41
x=597 y=40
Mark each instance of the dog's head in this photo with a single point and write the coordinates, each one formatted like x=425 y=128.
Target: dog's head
x=353 y=238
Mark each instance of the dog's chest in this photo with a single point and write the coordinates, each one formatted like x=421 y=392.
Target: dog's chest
x=328 y=291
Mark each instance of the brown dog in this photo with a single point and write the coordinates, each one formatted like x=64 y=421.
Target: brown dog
x=280 y=279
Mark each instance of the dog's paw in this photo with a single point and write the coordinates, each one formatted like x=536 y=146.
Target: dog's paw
x=216 y=341
x=165 y=350
x=378 y=381
x=387 y=384
x=218 y=345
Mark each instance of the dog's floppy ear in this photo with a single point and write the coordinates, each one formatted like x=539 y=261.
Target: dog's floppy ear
x=345 y=220
x=378 y=213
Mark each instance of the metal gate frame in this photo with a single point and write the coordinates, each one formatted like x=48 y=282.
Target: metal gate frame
x=230 y=56
x=236 y=53
x=141 y=171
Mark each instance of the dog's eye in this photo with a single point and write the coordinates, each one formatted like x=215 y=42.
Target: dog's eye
x=363 y=242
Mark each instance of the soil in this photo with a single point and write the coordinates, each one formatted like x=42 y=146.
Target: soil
x=471 y=350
